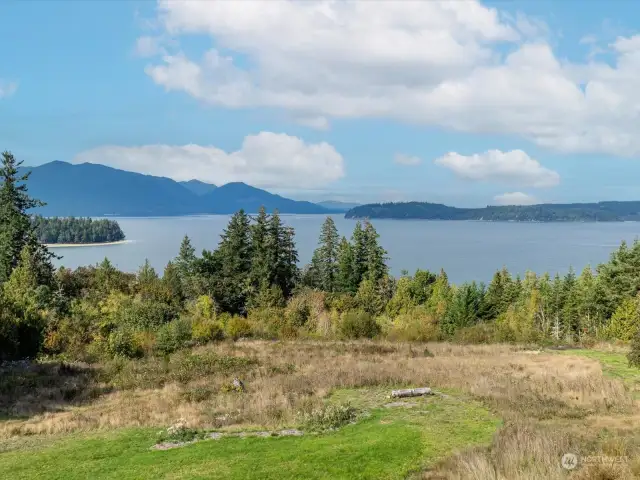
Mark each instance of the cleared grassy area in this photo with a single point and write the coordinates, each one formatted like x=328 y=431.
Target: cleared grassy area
x=390 y=443
x=614 y=365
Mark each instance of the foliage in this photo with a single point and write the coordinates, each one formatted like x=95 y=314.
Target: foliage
x=76 y=230
x=329 y=417
x=358 y=325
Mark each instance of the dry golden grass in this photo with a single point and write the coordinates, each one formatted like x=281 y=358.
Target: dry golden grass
x=551 y=403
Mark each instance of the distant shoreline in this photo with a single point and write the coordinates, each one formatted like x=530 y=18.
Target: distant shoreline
x=71 y=245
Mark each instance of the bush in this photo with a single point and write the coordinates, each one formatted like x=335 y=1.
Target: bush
x=173 y=336
x=415 y=326
x=479 y=333
x=328 y=417
x=634 y=354
x=121 y=343
x=237 y=327
x=298 y=312
x=205 y=330
x=358 y=325
x=267 y=322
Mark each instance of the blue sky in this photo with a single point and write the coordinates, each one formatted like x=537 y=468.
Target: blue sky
x=534 y=100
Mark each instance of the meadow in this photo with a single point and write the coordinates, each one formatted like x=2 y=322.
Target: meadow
x=499 y=412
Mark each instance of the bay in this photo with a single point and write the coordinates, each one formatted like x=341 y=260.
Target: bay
x=466 y=250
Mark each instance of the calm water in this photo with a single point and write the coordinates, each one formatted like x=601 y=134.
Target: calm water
x=466 y=250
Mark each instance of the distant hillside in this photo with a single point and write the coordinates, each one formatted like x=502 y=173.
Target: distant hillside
x=95 y=190
x=198 y=187
x=571 y=212
x=231 y=197
x=90 y=190
x=337 y=206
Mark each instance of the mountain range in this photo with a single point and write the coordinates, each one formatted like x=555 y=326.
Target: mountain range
x=88 y=189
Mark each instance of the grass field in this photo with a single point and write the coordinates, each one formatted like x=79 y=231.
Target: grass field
x=504 y=413
x=390 y=443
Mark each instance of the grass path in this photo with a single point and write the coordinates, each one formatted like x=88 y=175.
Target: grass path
x=389 y=444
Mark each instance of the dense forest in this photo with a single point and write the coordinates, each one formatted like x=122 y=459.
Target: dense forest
x=76 y=230
x=549 y=212
x=251 y=286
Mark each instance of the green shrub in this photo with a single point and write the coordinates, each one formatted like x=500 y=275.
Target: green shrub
x=417 y=325
x=173 y=336
x=267 y=322
x=634 y=354
x=121 y=343
x=178 y=433
x=237 y=327
x=205 y=330
x=358 y=325
x=298 y=312
x=328 y=417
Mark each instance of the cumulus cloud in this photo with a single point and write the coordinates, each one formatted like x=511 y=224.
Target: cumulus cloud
x=7 y=88
x=408 y=160
x=458 y=65
x=512 y=168
x=267 y=159
x=515 y=198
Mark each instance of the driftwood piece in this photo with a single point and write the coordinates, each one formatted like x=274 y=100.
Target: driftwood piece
x=411 y=392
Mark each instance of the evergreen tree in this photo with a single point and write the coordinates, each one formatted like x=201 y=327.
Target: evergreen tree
x=324 y=263
x=498 y=294
x=376 y=268
x=16 y=228
x=284 y=256
x=186 y=264
x=345 y=265
x=588 y=308
x=233 y=257
x=173 y=284
x=571 y=306
x=358 y=257
x=263 y=266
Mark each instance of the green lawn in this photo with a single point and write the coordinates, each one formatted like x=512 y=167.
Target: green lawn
x=389 y=444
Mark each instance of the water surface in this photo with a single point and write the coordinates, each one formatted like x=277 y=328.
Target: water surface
x=467 y=250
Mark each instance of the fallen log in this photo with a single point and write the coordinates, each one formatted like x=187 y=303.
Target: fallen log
x=411 y=392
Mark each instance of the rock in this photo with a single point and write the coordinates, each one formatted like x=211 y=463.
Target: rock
x=411 y=392
x=263 y=434
x=237 y=383
x=215 y=435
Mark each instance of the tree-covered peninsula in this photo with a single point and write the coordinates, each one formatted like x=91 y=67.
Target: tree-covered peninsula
x=549 y=212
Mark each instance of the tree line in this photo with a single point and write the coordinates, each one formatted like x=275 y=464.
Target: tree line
x=76 y=230
x=251 y=286
x=571 y=212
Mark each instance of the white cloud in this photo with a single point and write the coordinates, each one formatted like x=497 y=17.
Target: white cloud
x=7 y=88
x=318 y=123
x=512 y=168
x=266 y=159
x=458 y=65
x=408 y=160
x=149 y=46
x=515 y=198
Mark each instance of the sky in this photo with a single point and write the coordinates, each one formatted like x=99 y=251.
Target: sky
x=466 y=103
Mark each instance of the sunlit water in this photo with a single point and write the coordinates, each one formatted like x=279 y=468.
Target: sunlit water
x=466 y=250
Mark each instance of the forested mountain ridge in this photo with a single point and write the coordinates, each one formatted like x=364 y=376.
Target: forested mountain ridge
x=549 y=212
x=91 y=190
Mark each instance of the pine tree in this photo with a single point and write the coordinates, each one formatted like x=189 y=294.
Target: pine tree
x=324 y=263
x=234 y=259
x=16 y=228
x=262 y=271
x=345 y=265
x=185 y=264
x=376 y=268
x=173 y=284
x=284 y=256
x=358 y=256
